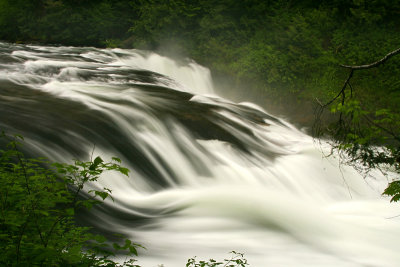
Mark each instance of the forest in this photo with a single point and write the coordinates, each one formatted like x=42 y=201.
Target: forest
x=288 y=56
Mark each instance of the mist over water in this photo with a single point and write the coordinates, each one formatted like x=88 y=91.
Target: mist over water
x=207 y=175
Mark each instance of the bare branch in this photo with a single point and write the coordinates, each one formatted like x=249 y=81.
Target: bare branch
x=322 y=107
x=374 y=64
x=343 y=89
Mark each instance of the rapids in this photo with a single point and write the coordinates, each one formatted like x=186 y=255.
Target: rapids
x=207 y=175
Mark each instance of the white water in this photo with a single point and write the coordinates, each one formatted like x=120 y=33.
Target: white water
x=281 y=203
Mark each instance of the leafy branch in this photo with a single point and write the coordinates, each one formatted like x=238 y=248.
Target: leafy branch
x=371 y=138
x=38 y=204
x=237 y=260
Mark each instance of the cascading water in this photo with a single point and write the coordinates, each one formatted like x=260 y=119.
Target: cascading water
x=207 y=175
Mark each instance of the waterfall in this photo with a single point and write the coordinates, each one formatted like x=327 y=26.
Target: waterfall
x=207 y=175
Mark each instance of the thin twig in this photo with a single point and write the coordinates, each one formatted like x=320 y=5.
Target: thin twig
x=59 y=219
x=343 y=88
x=29 y=192
x=91 y=156
x=20 y=238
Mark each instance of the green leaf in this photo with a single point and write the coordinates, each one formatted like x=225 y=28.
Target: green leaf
x=395 y=198
x=133 y=250
x=124 y=171
x=392 y=189
x=101 y=194
x=96 y=163
x=116 y=159
x=70 y=211
x=116 y=246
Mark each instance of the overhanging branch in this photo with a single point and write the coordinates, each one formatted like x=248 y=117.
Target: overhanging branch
x=322 y=107
x=354 y=68
x=374 y=64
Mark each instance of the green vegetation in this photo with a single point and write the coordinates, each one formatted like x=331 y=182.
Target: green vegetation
x=67 y=22
x=38 y=201
x=236 y=260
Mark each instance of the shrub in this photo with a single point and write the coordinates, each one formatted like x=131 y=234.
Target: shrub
x=38 y=201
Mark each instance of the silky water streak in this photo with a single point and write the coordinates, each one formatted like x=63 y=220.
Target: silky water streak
x=207 y=175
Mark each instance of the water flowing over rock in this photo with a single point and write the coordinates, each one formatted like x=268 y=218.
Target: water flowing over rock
x=207 y=175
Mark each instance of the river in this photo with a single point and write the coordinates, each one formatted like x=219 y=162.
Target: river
x=208 y=175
